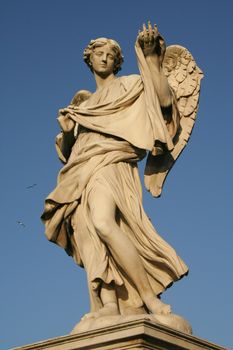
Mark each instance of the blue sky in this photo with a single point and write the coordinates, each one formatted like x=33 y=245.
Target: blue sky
x=43 y=293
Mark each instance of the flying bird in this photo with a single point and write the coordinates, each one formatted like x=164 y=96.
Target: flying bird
x=31 y=186
x=21 y=223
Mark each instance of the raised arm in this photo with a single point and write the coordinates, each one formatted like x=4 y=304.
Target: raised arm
x=153 y=47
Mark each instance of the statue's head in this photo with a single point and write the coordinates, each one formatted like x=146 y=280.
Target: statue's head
x=102 y=42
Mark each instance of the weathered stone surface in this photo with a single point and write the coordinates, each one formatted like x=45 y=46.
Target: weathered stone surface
x=139 y=334
x=171 y=320
x=96 y=212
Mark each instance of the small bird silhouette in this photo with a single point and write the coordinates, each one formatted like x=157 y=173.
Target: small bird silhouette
x=31 y=186
x=21 y=223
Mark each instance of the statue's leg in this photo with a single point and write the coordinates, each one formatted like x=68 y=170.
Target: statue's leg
x=109 y=301
x=103 y=210
x=103 y=298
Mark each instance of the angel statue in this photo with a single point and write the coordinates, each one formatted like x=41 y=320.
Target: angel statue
x=95 y=212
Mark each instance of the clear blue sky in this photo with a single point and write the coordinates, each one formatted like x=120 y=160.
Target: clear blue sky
x=43 y=293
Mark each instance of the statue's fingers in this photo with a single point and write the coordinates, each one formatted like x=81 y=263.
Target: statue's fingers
x=150 y=33
x=162 y=44
x=150 y=29
x=140 y=36
x=156 y=32
x=145 y=33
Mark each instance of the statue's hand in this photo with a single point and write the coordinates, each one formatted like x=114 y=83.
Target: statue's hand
x=66 y=123
x=151 y=41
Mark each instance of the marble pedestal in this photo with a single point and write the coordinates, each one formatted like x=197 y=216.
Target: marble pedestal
x=139 y=334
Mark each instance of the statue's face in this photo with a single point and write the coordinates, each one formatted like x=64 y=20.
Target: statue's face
x=103 y=60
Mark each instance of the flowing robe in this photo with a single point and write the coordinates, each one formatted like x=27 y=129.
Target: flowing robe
x=116 y=126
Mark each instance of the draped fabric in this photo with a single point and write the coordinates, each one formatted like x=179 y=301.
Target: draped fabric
x=114 y=131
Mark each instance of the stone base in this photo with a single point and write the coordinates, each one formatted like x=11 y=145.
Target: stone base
x=138 y=334
x=171 y=320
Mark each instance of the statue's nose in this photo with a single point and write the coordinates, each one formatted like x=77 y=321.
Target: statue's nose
x=104 y=58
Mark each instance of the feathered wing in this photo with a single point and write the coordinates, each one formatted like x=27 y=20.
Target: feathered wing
x=184 y=78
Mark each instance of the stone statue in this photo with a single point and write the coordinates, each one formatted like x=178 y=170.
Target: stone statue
x=95 y=213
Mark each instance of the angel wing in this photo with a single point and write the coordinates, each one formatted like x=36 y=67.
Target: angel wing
x=79 y=97
x=184 y=78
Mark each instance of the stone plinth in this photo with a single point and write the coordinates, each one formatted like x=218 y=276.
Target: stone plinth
x=139 y=334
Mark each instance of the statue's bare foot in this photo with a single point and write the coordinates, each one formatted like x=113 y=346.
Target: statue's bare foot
x=110 y=309
x=157 y=307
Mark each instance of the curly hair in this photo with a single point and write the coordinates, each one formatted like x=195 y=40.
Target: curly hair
x=119 y=58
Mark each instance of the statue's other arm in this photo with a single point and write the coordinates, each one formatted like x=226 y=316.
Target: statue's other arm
x=66 y=138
